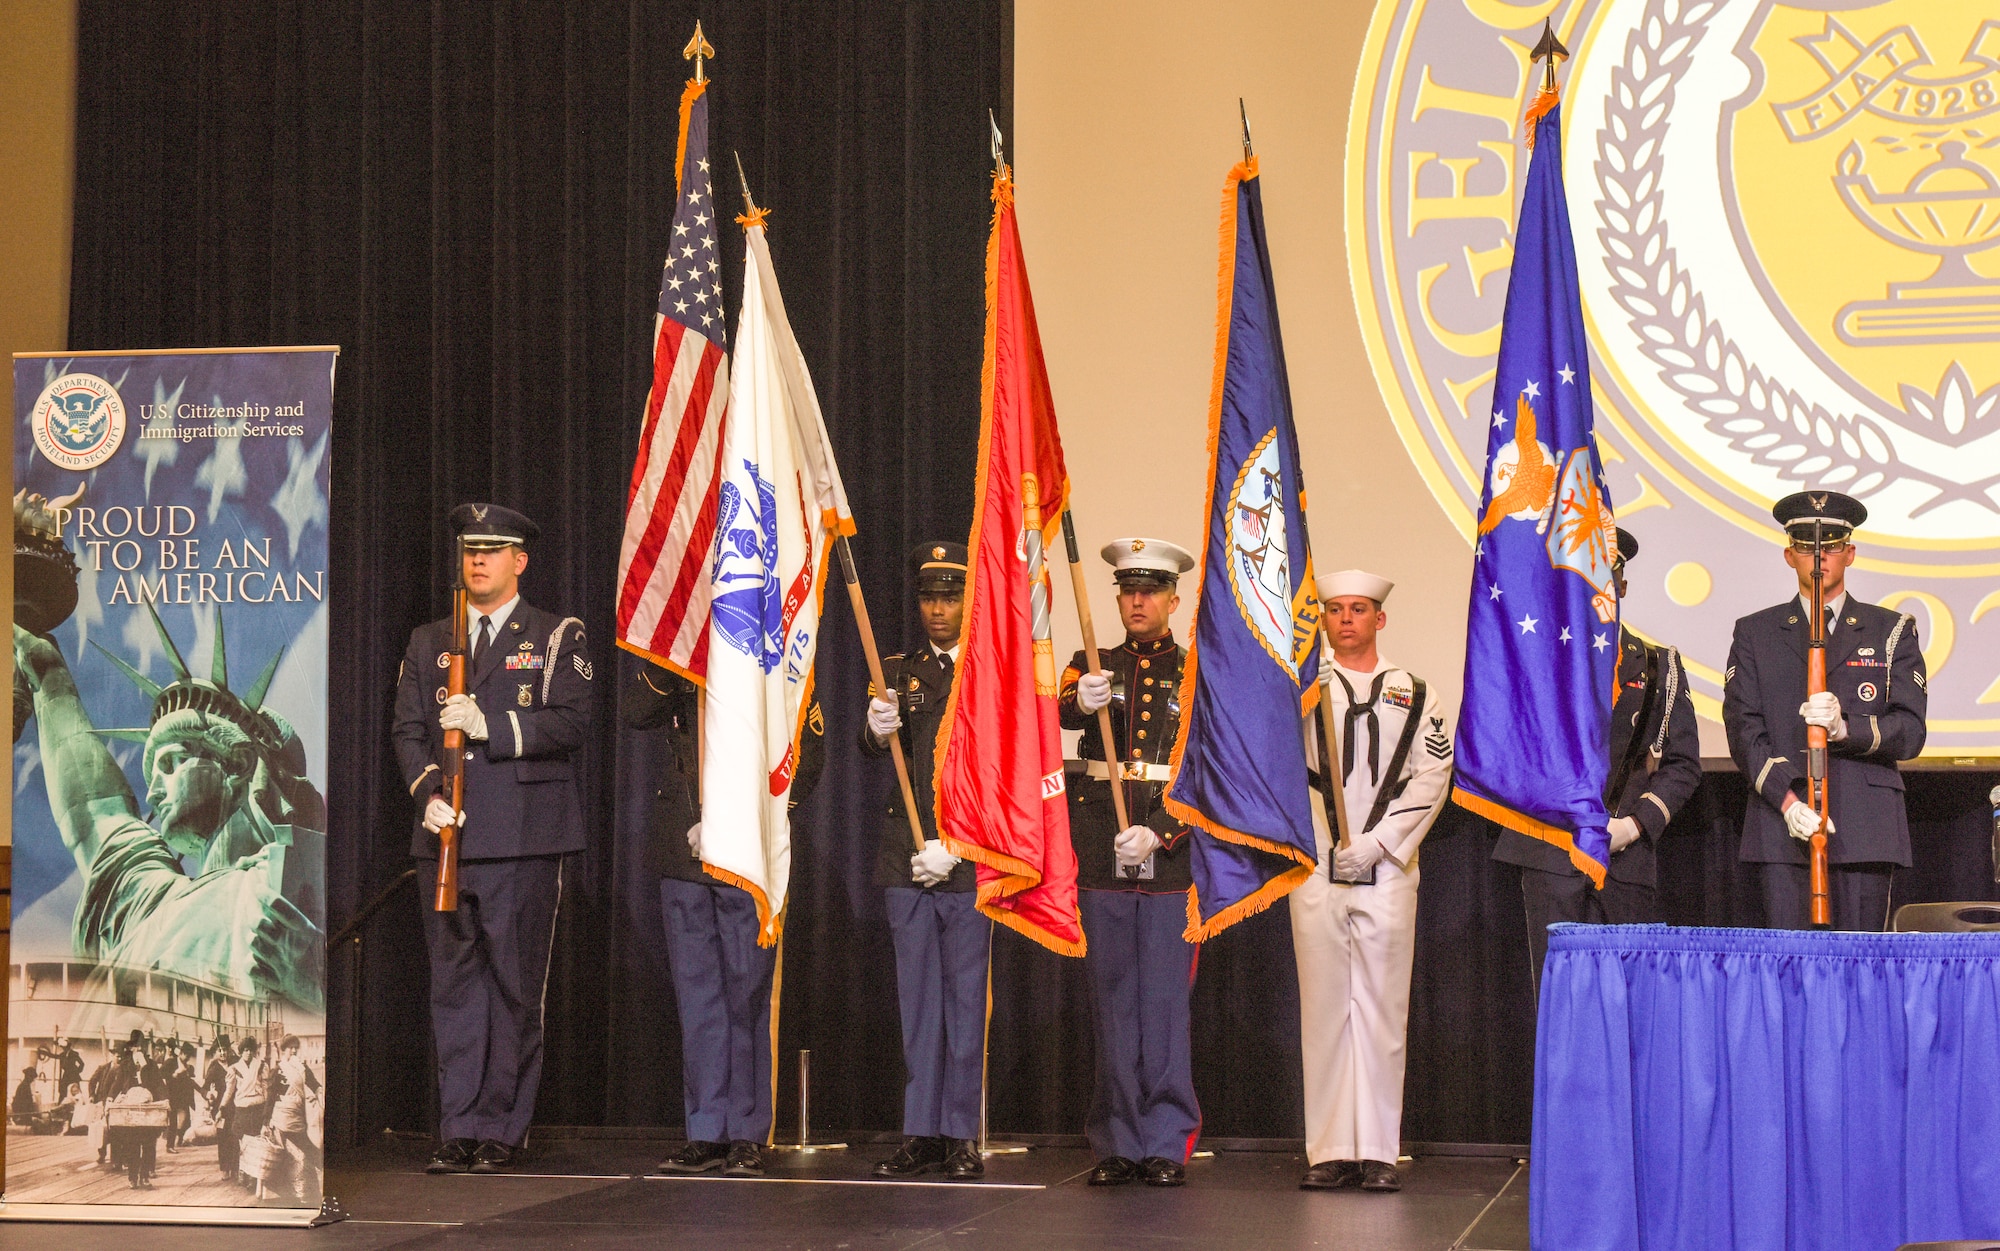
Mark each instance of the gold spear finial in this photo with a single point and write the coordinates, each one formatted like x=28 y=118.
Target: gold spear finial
x=1550 y=49
x=998 y=150
x=696 y=49
x=752 y=215
x=1244 y=113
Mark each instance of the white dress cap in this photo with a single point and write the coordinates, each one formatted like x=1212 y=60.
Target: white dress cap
x=1353 y=582
x=1147 y=556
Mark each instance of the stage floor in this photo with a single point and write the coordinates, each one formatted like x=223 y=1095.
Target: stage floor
x=594 y=1195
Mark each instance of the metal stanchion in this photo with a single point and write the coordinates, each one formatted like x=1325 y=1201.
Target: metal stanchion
x=805 y=1145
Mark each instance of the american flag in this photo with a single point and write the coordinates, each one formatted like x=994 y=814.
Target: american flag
x=663 y=587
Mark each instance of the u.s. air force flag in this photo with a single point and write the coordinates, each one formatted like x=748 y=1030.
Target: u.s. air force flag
x=1542 y=629
x=1253 y=660
x=781 y=507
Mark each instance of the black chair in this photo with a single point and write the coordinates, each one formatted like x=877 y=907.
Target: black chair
x=1947 y=918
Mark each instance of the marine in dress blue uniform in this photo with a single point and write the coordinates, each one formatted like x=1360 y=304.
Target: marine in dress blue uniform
x=525 y=713
x=1655 y=754
x=1144 y=1119
x=942 y=941
x=723 y=981
x=1873 y=709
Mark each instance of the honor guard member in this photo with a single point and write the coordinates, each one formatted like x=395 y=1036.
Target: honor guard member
x=524 y=714
x=1354 y=921
x=1655 y=756
x=1872 y=709
x=942 y=940
x=1143 y=1116
x=722 y=979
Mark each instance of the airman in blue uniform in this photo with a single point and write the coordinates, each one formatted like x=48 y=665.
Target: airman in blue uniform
x=1873 y=710
x=942 y=941
x=1144 y=1119
x=723 y=981
x=525 y=712
x=1655 y=757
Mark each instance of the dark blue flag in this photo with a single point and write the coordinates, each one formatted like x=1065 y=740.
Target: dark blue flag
x=1542 y=630
x=1253 y=661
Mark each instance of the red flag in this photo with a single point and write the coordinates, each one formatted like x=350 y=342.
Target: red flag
x=1000 y=795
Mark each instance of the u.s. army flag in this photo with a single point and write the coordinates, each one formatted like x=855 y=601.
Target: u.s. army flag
x=781 y=507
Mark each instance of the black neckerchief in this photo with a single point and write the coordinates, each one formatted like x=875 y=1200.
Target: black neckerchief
x=1354 y=713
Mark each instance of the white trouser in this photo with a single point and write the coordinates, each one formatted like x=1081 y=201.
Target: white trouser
x=1355 y=945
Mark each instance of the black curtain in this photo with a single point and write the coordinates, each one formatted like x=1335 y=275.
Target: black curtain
x=472 y=199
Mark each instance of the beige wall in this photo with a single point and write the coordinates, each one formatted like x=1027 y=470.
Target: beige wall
x=1126 y=123
x=37 y=153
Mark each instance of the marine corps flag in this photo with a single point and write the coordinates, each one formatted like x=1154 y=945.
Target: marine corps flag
x=1542 y=632
x=781 y=506
x=1000 y=794
x=1253 y=657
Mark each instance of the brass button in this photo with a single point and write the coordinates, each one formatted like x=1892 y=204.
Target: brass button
x=1149 y=681
x=1145 y=664
x=1145 y=716
x=1135 y=753
x=1142 y=734
x=1146 y=698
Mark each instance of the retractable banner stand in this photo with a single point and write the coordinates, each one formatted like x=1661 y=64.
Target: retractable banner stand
x=166 y=1040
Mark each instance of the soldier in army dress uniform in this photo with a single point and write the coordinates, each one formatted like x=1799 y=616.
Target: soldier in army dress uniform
x=1354 y=921
x=1873 y=710
x=525 y=712
x=942 y=940
x=1655 y=756
x=1144 y=1119
x=722 y=979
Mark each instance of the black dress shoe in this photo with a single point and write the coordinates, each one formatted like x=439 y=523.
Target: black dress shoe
x=1332 y=1175
x=453 y=1156
x=746 y=1159
x=1114 y=1171
x=696 y=1157
x=1160 y=1171
x=964 y=1162
x=1375 y=1175
x=914 y=1157
x=492 y=1157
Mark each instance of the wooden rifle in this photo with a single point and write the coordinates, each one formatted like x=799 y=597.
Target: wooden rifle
x=454 y=743
x=1816 y=788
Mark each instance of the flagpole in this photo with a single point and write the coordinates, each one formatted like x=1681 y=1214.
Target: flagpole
x=1082 y=596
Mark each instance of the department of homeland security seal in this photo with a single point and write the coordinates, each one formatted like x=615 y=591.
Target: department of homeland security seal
x=1787 y=220
x=78 y=421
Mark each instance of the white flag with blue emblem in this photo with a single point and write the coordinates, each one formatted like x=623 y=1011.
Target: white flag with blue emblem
x=781 y=507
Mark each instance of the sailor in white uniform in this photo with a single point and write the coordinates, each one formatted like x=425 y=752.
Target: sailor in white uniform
x=1354 y=921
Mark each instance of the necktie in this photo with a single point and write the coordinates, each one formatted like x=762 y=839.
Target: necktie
x=944 y=662
x=482 y=638
x=1356 y=712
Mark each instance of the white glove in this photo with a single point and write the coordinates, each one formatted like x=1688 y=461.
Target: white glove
x=1358 y=857
x=694 y=839
x=1625 y=831
x=1804 y=822
x=438 y=814
x=1134 y=845
x=1093 y=691
x=1823 y=710
x=932 y=865
x=461 y=712
x=883 y=718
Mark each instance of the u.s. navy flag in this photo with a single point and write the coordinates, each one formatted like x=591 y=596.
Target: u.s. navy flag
x=780 y=508
x=670 y=513
x=1253 y=659
x=1542 y=629
x=1000 y=790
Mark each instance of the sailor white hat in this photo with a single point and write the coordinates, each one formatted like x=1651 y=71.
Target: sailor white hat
x=1147 y=558
x=1353 y=582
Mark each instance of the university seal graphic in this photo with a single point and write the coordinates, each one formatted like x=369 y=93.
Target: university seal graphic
x=1787 y=221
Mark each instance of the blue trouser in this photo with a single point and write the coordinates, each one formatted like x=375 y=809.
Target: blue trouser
x=942 y=943
x=1141 y=974
x=722 y=986
x=489 y=974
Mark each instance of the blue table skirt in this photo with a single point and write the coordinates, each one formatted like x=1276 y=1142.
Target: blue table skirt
x=1721 y=1088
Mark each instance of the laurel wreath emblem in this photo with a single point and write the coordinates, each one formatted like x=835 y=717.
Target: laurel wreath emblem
x=1758 y=415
